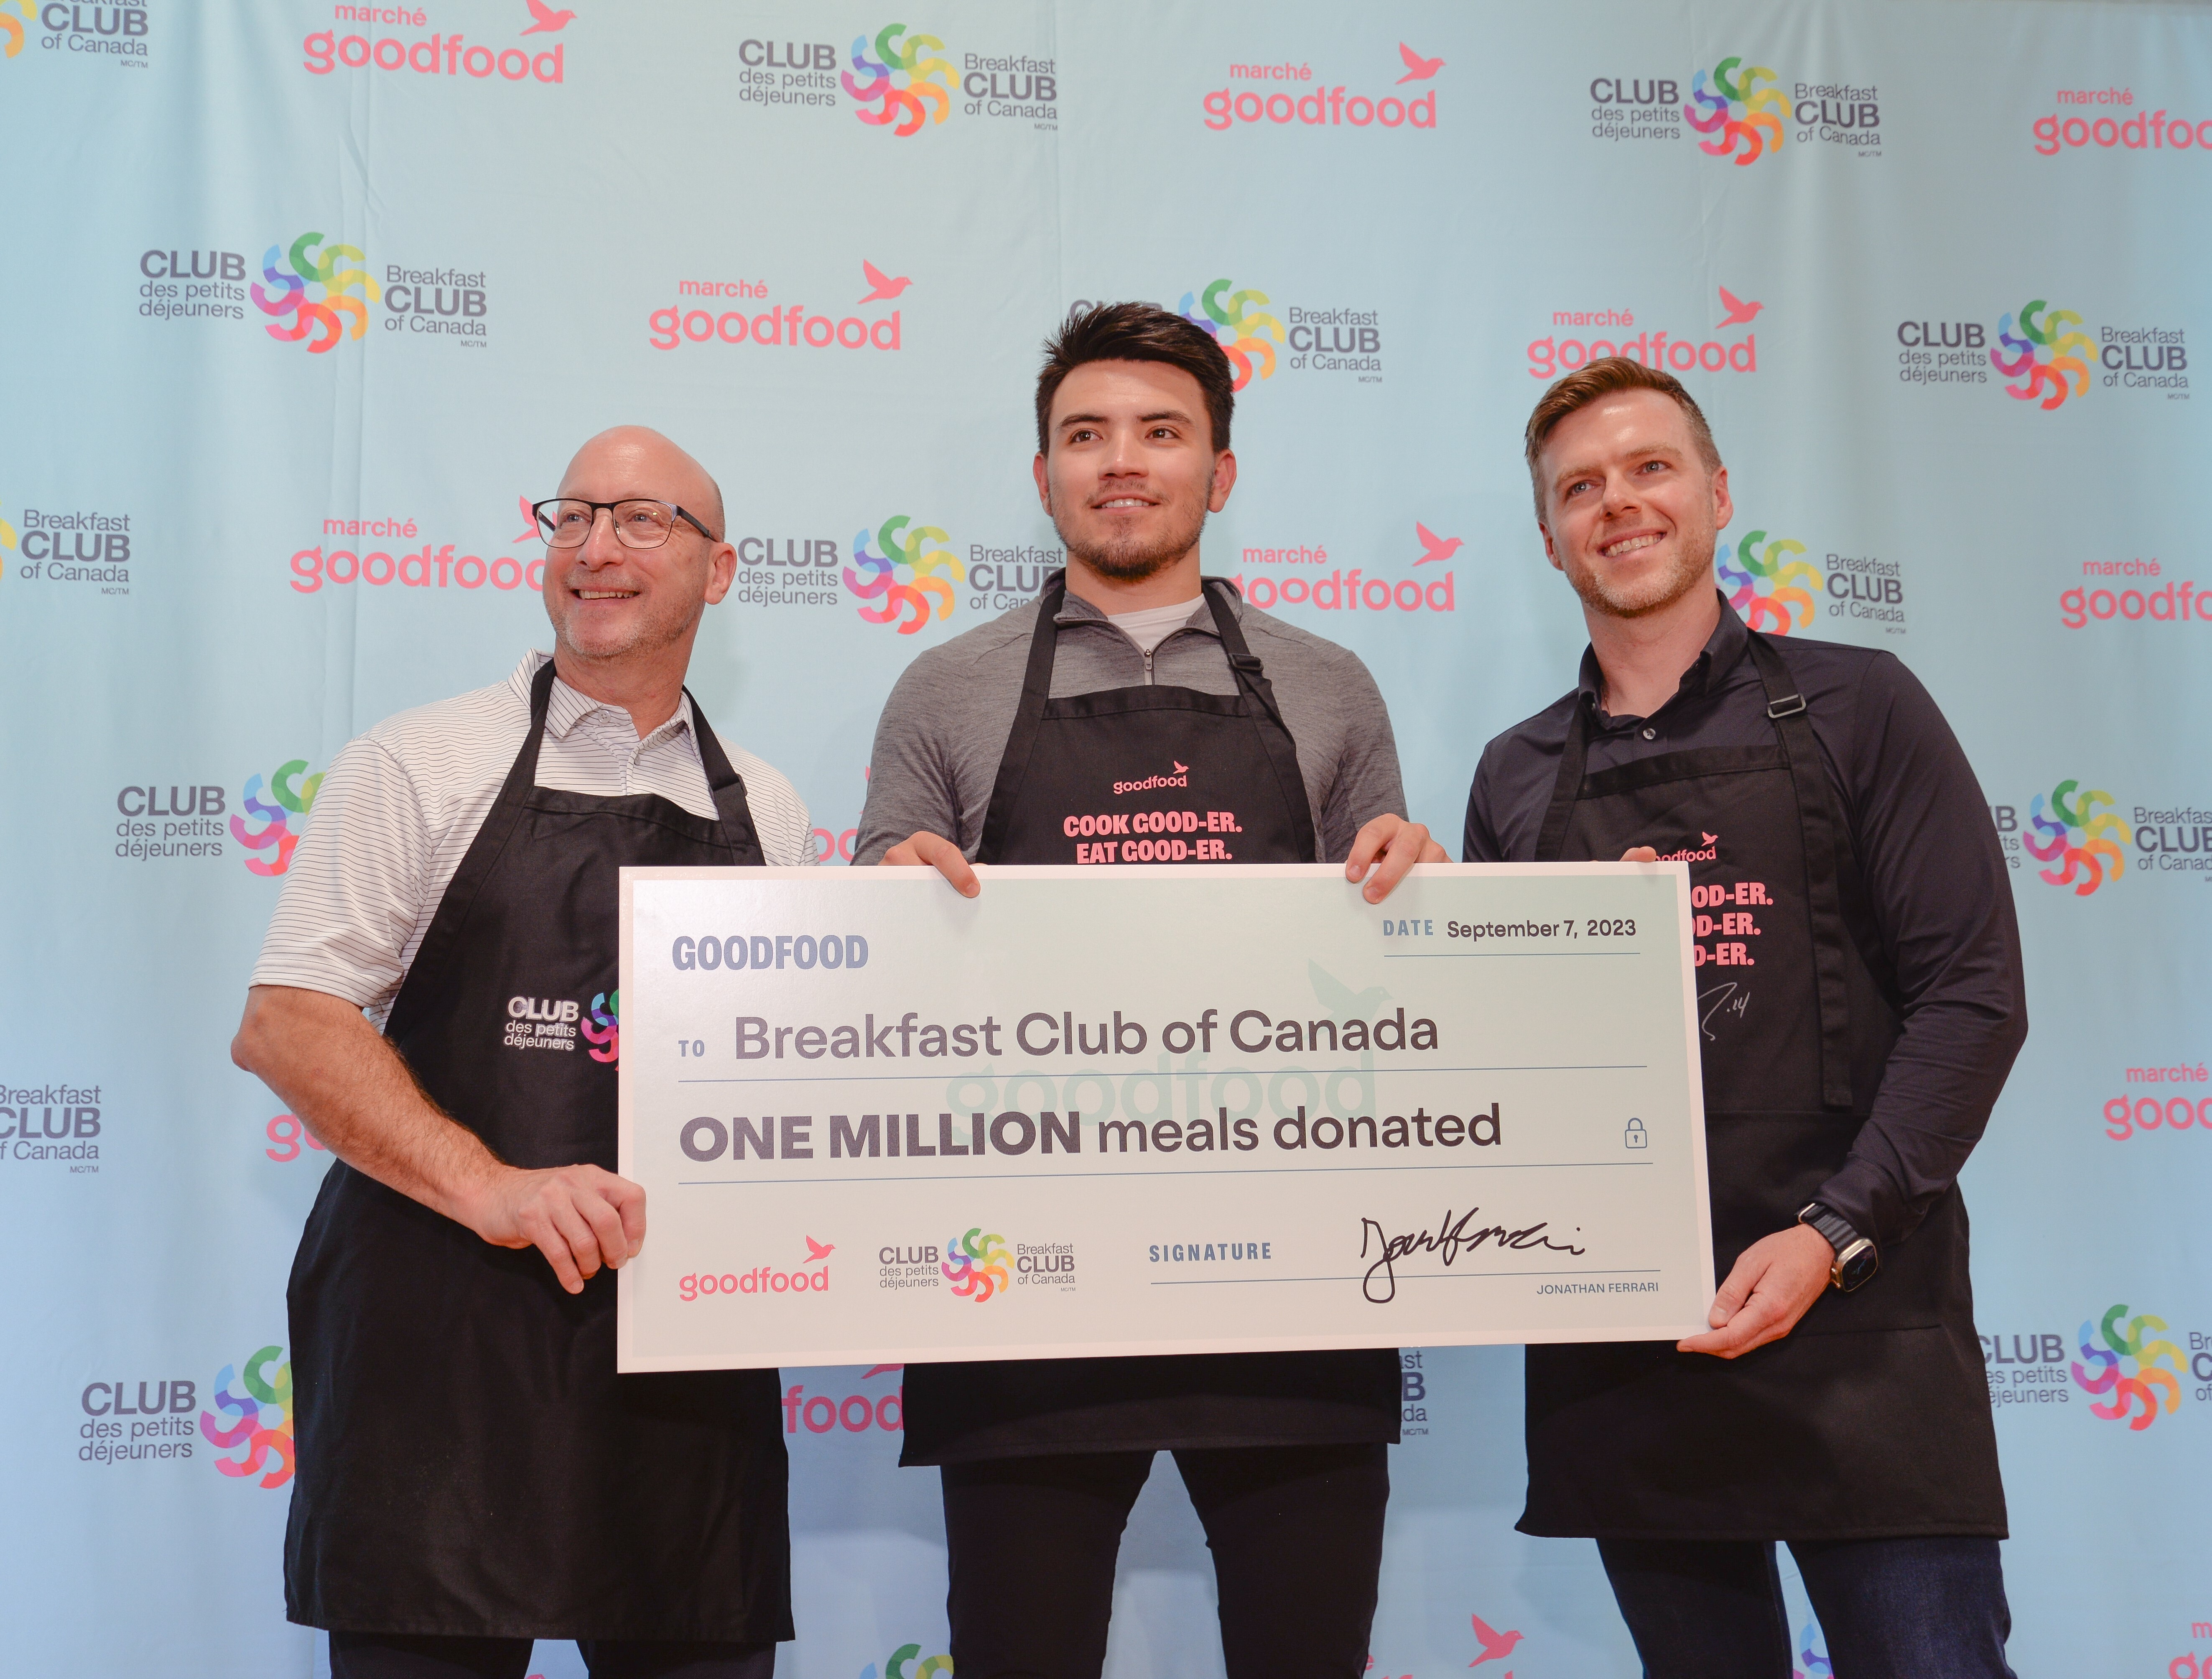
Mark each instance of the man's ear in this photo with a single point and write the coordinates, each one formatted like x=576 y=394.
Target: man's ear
x=1723 y=508
x=1550 y=553
x=1043 y=484
x=721 y=572
x=1224 y=480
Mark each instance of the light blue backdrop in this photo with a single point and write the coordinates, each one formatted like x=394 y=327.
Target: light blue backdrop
x=213 y=534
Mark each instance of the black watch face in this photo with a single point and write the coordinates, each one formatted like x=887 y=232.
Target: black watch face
x=1858 y=1268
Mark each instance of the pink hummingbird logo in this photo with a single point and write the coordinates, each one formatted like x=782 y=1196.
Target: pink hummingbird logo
x=1740 y=313
x=546 y=20
x=1496 y=1646
x=885 y=287
x=1418 y=69
x=1435 y=547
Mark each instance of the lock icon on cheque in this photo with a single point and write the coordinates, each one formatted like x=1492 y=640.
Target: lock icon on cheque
x=1635 y=1137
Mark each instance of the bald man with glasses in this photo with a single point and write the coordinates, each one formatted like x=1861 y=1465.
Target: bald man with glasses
x=437 y=1000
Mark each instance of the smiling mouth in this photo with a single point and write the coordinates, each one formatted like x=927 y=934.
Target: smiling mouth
x=1630 y=545
x=1122 y=502
x=605 y=594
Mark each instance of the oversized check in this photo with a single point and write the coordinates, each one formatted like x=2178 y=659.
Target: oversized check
x=1138 y=1110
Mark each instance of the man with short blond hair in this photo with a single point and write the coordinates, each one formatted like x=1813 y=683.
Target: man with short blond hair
x=1860 y=1003
x=437 y=1000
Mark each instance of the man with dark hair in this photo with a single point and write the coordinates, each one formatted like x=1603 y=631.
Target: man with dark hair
x=1133 y=680
x=1861 y=1002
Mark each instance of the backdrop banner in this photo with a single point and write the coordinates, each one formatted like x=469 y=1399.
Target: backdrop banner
x=306 y=302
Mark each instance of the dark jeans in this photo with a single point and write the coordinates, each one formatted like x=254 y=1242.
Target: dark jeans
x=386 y=1656
x=1890 y=1608
x=1295 y=1533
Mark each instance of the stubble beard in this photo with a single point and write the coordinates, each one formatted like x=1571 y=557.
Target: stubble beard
x=1133 y=560
x=1652 y=594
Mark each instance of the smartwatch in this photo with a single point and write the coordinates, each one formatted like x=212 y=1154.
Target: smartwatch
x=1856 y=1258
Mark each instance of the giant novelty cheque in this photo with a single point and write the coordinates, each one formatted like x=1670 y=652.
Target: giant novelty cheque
x=1131 y=1110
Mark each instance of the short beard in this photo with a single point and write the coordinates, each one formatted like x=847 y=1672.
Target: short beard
x=1133 y=561
x=1653 y=595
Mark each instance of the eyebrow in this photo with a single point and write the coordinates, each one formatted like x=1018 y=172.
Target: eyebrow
x=1068 y=420
x=1666 y=451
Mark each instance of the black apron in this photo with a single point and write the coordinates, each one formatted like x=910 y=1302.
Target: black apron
x=1870 y=1418
x=1213 y=753
x=469 y=1462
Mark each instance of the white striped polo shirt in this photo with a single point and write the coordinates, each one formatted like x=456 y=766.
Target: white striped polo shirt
x=401 y=805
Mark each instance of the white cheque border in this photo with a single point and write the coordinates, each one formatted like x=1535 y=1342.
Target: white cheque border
x=815 y=1353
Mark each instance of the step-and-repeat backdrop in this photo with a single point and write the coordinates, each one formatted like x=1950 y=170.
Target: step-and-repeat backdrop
x=304 y=303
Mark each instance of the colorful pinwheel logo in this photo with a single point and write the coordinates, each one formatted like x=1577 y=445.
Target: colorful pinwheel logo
x=2081 y=843
x=11 y=31
x=976 y=1264
x=1738 y=111
x=604 y=1029
x=287 y=295
x=2130 y=1369
x=291 y=801
x=1763 y=583
x=1813 y=1652
x=927 y=563
x=909 y=86
x=1242 y=332
x=2043 y=355
x=895 y=1665
x=258 y=1423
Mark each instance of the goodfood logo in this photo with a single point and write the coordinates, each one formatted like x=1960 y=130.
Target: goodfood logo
x=73 y=549
x=136 y=1422
x=2136 y=1374
x=931 y=571
x=1551 y=356
x=339 y=310
x=1289 y=97
x=1344 y=590
x=433 y=565
x=2126 y=1117
x=256 y=1424
x=763 y=1279
x=2167 y=603
x=2075 y=836
x=788 y=326
x=453 y=55
x=856 y=1413
x=294 y=798
x=977 y=1266
x=2117 y=125
x=905 y=85
x=58 y=1123
x=114 y=34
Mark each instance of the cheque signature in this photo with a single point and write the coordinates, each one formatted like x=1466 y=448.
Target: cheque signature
x=1450 y=1236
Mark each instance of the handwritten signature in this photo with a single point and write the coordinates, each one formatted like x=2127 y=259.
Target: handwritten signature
x=1450 y=1236
x=1723 y=997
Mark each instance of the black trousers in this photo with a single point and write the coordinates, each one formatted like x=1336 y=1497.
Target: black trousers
x=1295 y=1533
x=394 y=1656
x=1889 y=1609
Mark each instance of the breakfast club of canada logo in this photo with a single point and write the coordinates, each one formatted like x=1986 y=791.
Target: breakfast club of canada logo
x=2045 y=355
x=1768 y=584
x=78 y=546
x=905 y=85
x=294 y=797
x=896 y=1664
x=112 y=33
x=1294 y=98
x=977 y=1265
x=439 y=54
x=603 y=1031
x=2077 y=837
x=255 y=1424
x=1244 y=322
x=330 y=274
x=1740 y=110
x=925 y=591
x=2133 y=1374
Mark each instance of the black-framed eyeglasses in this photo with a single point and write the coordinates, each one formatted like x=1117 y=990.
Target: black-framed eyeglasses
x=567 y=522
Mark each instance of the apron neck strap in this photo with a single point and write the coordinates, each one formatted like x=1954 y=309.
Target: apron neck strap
x=1029 y=715
x=723 y=781
x=1826 y=844
x=1567 y=787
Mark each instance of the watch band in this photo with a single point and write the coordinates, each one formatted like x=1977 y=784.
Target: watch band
x=1856 y=1258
